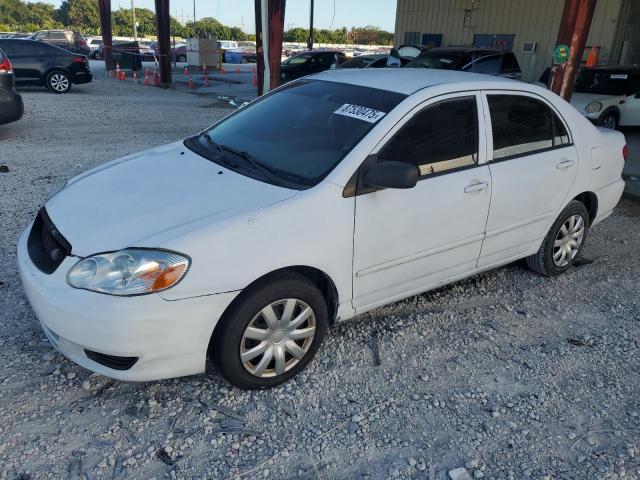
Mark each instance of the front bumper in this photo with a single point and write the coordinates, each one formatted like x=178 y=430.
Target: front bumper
x=169 y=338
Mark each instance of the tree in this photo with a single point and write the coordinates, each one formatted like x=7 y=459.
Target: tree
x=80 y=15
x=43 y=15
x=13 y=13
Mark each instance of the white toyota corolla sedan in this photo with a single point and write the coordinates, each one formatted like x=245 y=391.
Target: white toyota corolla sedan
x=324 y=199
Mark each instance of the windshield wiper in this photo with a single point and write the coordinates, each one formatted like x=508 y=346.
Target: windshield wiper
x=268 y=172
x=218 y=148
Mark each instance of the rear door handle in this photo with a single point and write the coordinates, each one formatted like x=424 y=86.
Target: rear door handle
x=564 y=164
x=476 y=187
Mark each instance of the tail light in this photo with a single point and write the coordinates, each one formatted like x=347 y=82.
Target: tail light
x=5 y=65
x=625 y=151
x=80 y=59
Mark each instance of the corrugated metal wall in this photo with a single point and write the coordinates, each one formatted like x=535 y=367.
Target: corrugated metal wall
x=530 y=21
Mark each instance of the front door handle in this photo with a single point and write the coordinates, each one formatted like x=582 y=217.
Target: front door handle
x=476 y=187
x=565 y=163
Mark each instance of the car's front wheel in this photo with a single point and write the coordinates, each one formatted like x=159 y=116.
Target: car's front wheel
x=271 y=333
x=563 y=243
x=58 y=81
x=181 y=58
x=609 y=120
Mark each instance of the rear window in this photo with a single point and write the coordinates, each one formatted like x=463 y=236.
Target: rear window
x=429 y=60
x=604 y=82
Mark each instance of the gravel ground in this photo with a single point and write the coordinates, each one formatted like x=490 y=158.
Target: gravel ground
x=507 y=375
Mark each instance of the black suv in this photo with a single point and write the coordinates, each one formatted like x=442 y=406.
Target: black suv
x=306 y=63
x=477 y=60
x=44 y=64
x=11 y=107
x=67 y=39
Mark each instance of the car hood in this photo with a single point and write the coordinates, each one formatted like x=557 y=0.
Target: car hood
x=128 y=201
x=581 y=100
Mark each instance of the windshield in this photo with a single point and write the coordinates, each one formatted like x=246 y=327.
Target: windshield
x=603 y=82
x=299 y=133
x=428 y=60
x=297 y=59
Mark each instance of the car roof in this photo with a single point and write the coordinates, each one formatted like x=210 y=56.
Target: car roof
x=410 y=80
x=461 y=50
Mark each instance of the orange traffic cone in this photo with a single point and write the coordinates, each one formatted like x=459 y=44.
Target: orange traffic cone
x=222 y=69
x=253 y=69
x=118 y=70
x=186 y=70
x=206 y=80
x=147 y=81
x=190 y=83
x=255 y=80
x=135 y=76
x=238 y=69
x=123 y=75
x=204 y=68
x=156 y=78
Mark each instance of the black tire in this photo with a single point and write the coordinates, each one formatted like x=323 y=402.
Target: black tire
x=181 y=58
x=244 y=60
x=225 y=347
x=58 y=81
x=542 y=262
x=609 y=120
x=97 y=56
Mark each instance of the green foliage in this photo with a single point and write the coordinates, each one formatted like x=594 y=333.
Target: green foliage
x=83 y=16
x=362 y=35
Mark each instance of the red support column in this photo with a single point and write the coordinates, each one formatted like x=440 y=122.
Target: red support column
x=574 y=30
x=104 y=6
x=275 y=25
x=276 y=32
x=163 y=27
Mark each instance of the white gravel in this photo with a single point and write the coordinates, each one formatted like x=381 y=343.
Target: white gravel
x=507 y=375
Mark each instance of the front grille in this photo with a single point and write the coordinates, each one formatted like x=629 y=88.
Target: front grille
x=46 y=245
x=111 y=361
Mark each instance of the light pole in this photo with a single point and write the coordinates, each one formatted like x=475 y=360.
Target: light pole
x=135 y=24
x=194 y=11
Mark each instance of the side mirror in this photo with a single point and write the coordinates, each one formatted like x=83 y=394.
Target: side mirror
x=391 y=175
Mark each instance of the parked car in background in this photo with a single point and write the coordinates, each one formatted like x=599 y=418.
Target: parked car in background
x=241 y=55
x=609 y=96
x=94 y=44
x=67 y=39
x=410 y=52
x=11 y=106
x=475 y=60
x=225 y=45
x=399 y=180
x=309 y=62
x=146 y=50
x=44 y=64
x=370 y=61
x=15 y=35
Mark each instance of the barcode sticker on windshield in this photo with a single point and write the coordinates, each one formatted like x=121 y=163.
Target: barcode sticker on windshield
x=363 y=113
x=618 y=76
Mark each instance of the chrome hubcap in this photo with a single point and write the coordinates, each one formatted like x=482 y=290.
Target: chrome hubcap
x=568 y=241
x=277 y=338
x=59 y=82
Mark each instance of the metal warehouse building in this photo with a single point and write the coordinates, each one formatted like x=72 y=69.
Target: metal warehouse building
x=528 y=27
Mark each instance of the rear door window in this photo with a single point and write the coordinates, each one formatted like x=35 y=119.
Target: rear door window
x=523 y=125
x=25 y=49
x=509 y=64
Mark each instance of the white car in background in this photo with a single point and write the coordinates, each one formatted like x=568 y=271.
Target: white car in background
x=609 y=96
x=328 y=197
x=94 y=44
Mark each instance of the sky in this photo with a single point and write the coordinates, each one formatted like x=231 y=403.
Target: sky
x=240 y=13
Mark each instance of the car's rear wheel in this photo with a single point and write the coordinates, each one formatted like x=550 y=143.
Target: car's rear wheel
x=609 y=120
x=272 y=332
x=244 y=60
x=58 y=81
x=563 y=243
x=181 y=58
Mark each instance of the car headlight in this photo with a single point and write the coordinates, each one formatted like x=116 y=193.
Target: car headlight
x=133 y=271
x=593 y=107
